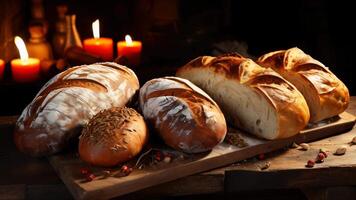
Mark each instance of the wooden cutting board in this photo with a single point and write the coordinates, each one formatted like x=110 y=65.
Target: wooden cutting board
x=107 y=186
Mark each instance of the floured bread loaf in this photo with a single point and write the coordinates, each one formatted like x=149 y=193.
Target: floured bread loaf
x=68 y=101
x=185 y=117
x=252 y=98
x=326 y=95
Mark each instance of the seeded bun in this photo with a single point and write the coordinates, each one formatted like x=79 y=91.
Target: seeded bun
x=113 y=136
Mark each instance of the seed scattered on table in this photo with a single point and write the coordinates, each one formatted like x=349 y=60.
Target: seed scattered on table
x=90 y=177
x=340 y=151
x=304 y=146
x=261 y=156
x=353 y=141
x=310 y=163
x=320 y=158
x=266 y=165
x=294 y=145
x=167 y=159
x=323 y=151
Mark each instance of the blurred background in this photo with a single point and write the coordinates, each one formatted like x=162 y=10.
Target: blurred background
x=173 y=32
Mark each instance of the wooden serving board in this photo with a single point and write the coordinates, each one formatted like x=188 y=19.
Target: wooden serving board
x=103 y=187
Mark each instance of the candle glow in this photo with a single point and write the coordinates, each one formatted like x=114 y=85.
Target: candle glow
x=24 y=69
x=128 y=40
x=130 y=49
x=99 y=46
x=96 y=29
x=20 y=44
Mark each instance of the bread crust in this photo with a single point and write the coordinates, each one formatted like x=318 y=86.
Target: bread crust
x=113 y=136
x=185 y=117
x=284 y=99
x=326 y=95
x=67 y=101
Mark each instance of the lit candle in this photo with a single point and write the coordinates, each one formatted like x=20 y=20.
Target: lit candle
x=130 y=49
x=99 y=46
x=24 y=69
x=2 y=69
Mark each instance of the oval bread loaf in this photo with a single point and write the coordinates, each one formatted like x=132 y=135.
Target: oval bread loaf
x=68 y=101
x=325 y=94
x=252 y=98
x=113 y=136
x=185 y=117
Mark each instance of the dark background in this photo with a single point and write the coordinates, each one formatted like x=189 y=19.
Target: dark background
x=175 y=31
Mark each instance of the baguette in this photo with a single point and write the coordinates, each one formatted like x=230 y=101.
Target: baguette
x=325 y=94
x=253 y=98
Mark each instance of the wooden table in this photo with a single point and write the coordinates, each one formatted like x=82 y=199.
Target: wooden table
x=22 y=176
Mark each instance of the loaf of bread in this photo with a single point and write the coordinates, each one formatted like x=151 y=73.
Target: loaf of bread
x=185 y=117
x=68 y=101
x=113 y=136
x=253 y=98
x=325 y=94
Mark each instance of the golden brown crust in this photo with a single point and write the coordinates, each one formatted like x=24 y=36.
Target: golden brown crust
x=325 y=93
x=186 y=118
x=283 y=96
x=113 y=136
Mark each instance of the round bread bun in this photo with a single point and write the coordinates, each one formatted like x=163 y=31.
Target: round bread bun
x=113 y=136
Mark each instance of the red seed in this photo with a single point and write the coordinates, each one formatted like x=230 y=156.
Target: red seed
x=320 y=157
x=90 y=177
x=323 y=152
x=310 y=163
x=124 y=168
x=261 y=156
x=84 y=171
x=158 y=156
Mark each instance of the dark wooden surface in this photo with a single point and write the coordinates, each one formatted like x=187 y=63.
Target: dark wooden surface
x=68 y=165
x=22 y=176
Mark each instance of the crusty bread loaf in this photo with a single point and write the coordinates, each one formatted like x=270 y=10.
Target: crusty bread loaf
x=325 y=94
x=113 y=136
x=68 y=101
x=252 y=98
x=185 y=117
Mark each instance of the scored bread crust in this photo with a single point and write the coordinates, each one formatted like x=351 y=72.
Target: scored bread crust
x=252 y=98
x=67 y=102
x=325 y=94
x=185 y=117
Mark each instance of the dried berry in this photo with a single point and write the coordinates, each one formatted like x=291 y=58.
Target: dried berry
x=261 y=156
x=310 y=163
x=158 y=156
x=323 y=151
x=90 y=177
x=84 y=171
x=340 y=151
x=126 y=170
x=320 y=158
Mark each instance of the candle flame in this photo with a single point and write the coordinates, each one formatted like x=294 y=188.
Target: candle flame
x=20 y=44
x=128 y=40
x=96 y=29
